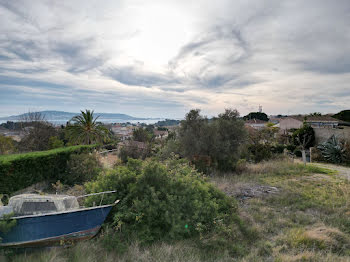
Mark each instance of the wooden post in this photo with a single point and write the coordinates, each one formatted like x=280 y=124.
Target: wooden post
x=311 y=149
x=304 y=156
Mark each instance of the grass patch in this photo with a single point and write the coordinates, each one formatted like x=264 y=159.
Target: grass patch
x=308 y=218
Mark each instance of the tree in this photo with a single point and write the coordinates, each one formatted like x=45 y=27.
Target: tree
x=343 y=115
x=256 y=115
x=315 y=114
x=261 y=142
x=229 y=133
x=142 y=135
x=304 y=137
x=37 y=136
x=215 y=142
x=85 y=129
x=191 y=134
x=6 y=145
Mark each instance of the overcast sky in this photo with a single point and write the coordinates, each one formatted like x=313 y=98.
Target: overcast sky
x=160 y=58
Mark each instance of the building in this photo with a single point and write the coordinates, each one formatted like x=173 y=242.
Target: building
x=295 y=122
x=324 y=126
x=160 y=134
x=255 y=123
x=123 y=132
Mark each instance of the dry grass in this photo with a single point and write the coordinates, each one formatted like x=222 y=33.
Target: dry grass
x=307 y=220
x=108 y=160
x=93 y=251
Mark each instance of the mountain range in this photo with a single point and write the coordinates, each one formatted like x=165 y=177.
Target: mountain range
x=66 y=116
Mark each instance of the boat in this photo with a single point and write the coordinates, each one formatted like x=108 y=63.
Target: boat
x=51 y=220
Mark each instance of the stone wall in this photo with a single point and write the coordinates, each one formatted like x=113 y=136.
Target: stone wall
x=322 y=134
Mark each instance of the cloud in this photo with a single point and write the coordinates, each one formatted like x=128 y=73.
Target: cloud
x=134 y=76
x=162 y=58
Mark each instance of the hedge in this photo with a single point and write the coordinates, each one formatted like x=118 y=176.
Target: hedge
x=22 y=170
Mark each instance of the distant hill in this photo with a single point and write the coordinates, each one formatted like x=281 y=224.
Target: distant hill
x=343 y=115
x=168 y=122
x=66 y=116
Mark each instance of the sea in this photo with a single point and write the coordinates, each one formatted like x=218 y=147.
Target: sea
x=106 y=121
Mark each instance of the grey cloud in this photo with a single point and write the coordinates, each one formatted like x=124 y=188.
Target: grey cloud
x=76 y=55
x=272 y=51
x=215 y=69
x=133 y=76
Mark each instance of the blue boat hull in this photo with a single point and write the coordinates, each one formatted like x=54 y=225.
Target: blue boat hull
x=57 y=228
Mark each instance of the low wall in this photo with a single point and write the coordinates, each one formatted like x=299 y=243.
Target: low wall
x=322 y=134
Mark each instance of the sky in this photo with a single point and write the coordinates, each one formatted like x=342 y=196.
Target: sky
x=161 y=58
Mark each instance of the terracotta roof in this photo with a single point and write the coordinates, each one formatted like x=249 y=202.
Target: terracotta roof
x=160 y=132
x=315 y=118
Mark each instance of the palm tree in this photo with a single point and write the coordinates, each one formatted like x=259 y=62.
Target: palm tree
x=84 y=129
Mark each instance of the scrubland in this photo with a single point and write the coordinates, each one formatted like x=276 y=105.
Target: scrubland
x=297 y=213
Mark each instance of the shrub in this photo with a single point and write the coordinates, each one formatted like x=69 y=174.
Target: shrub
x=291 y=147
x=22 y=170
x=241 y=166
x=6 y=145
x=297 y=152
x=55 y=142
x=278 y=148
x=333 y=150
x=132 y=150
x=260 y=152
x=82 y=168
x=163 y=201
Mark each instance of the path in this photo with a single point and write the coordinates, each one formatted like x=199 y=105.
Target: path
x=343 y=170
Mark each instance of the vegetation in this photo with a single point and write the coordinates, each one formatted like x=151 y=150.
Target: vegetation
x=55 y=142
x=84 y=129
x=168 y=122
x=6 y=224
x=256 y=115
x=142 y=135
x=169 y=201
x=6 y=145
x=82 y=168
x=315 y=114
x=213 y=143
x=37 y=136
x=334 y=150
x=343 y=115
x=261 y=144
x=22 y=170
x=304 y=219
x=272 y=210
x=304 y=137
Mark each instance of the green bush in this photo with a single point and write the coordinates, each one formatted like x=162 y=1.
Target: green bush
x=22 y=170
x=55 y=142
x=260 y=152
x=333 y=150
x=297 y=152
x=278 y=148
x=82 y=168
x=291 y=147
x=163 y=201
